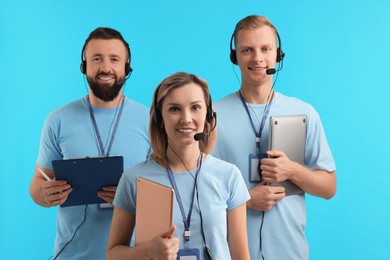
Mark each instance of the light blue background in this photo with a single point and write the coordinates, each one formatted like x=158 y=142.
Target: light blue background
x=337 y=59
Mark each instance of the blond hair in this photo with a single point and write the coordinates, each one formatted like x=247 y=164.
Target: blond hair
x=252 y=22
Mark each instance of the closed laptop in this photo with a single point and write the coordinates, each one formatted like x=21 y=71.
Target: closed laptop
x=288 y=134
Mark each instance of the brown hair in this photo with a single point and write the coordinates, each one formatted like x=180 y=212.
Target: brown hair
x=157 y=134
x=106 y=33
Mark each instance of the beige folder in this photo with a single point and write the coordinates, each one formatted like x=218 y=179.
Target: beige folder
x=154 y=210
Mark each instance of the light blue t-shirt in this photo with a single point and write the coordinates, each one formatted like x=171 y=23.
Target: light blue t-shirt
x=68 y=133
x=221 y=188
x=283 y=232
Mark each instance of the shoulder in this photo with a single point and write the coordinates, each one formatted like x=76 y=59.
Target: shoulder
x=135 y=105
x=228 y=180
x=294 y=103
x=136 y=109
x=290 y=105
x=228 y=106
x=142 y=168
x=222 y=166
x=291 y=100
x=66 y=110
x=231 y=98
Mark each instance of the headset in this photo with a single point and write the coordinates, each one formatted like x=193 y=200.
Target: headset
x=128 y=69
x=279 y=53
x=157 y=117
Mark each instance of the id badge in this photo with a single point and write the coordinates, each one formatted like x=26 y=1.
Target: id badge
x=188 y=254
x=254 y=167
x=106 y=206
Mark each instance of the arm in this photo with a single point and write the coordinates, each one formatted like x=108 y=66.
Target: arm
x=315 y=182
x=237 y=233
x=122 y=227
x=48 y=193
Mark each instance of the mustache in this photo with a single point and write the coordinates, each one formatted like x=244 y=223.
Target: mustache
x=106 y=74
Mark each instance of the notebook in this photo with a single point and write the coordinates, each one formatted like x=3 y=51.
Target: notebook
x=87 y=176
x=288 y=134
x=154 y=210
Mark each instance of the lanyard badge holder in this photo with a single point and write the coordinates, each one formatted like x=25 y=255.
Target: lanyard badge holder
x=101 y=147
x=187 y=253
x=254 y=167
x=254 y=161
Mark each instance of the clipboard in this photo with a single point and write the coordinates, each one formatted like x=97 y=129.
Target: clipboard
x=87 y=176
x=154 y=210
x=288 y=134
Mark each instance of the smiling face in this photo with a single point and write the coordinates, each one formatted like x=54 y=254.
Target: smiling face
x=106 y=61
x=184 y=113
x=256 y=52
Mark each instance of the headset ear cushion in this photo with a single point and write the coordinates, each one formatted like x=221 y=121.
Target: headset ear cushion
x=210 y=112
x=233 y=56
x=83 y=67
x=210 y=116
x=157 y=117
x=128 y=69
x=279 y=55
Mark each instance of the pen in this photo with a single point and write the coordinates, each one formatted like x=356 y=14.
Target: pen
x=43 y=174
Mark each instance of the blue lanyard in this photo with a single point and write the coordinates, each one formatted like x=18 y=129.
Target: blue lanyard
x=102 y=150
x=186 y=221
x=265 y=114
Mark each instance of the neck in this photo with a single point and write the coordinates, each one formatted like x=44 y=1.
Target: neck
x=181 y=160
x=97 y=102
x=256 y=94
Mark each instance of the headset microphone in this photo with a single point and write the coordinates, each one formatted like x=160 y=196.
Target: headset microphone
x=202 y=135
x=123 y=80
x=199 y=136
x=270 y=71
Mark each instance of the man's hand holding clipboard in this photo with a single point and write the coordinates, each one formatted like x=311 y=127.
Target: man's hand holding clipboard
x=93 y=180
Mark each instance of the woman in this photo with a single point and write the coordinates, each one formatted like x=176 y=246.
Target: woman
x=182 y=136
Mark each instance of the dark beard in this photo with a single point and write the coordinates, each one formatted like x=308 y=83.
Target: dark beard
x=106 y=93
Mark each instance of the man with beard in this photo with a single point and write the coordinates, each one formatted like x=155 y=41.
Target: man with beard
x=103 y=123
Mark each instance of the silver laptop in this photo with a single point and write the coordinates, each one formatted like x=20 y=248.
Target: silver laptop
x=288 y=134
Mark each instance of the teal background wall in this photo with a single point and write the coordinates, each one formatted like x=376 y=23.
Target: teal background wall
x=337 y=59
